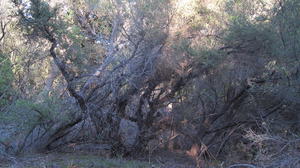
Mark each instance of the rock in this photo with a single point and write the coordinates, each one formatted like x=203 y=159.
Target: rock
x=129 y=132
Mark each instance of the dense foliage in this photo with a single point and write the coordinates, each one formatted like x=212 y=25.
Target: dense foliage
x=218 y=80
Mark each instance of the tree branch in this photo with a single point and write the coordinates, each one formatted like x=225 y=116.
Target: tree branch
x=243 y=165
x=62 y=67
x=3 y=27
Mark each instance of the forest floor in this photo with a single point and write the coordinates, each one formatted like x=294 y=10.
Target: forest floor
x=161 y=159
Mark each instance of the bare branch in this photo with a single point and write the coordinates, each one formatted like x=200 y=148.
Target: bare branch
x=242 y=165
x=3 y=27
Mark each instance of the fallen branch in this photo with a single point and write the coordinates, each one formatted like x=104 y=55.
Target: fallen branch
x=243 y=165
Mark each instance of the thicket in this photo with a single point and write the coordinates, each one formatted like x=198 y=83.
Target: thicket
x=218 y=80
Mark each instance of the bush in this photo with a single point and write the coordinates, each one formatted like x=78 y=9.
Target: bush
x=23 y=115
x=6 y=78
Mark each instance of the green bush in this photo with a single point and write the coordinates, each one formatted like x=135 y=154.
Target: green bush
x=29 y=113
x=6 y=78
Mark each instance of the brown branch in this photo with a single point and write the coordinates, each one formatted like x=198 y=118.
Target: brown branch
x=3 y=27
x=230 y=125
x=62 y=67
x=232 y=103
x=242 y=165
